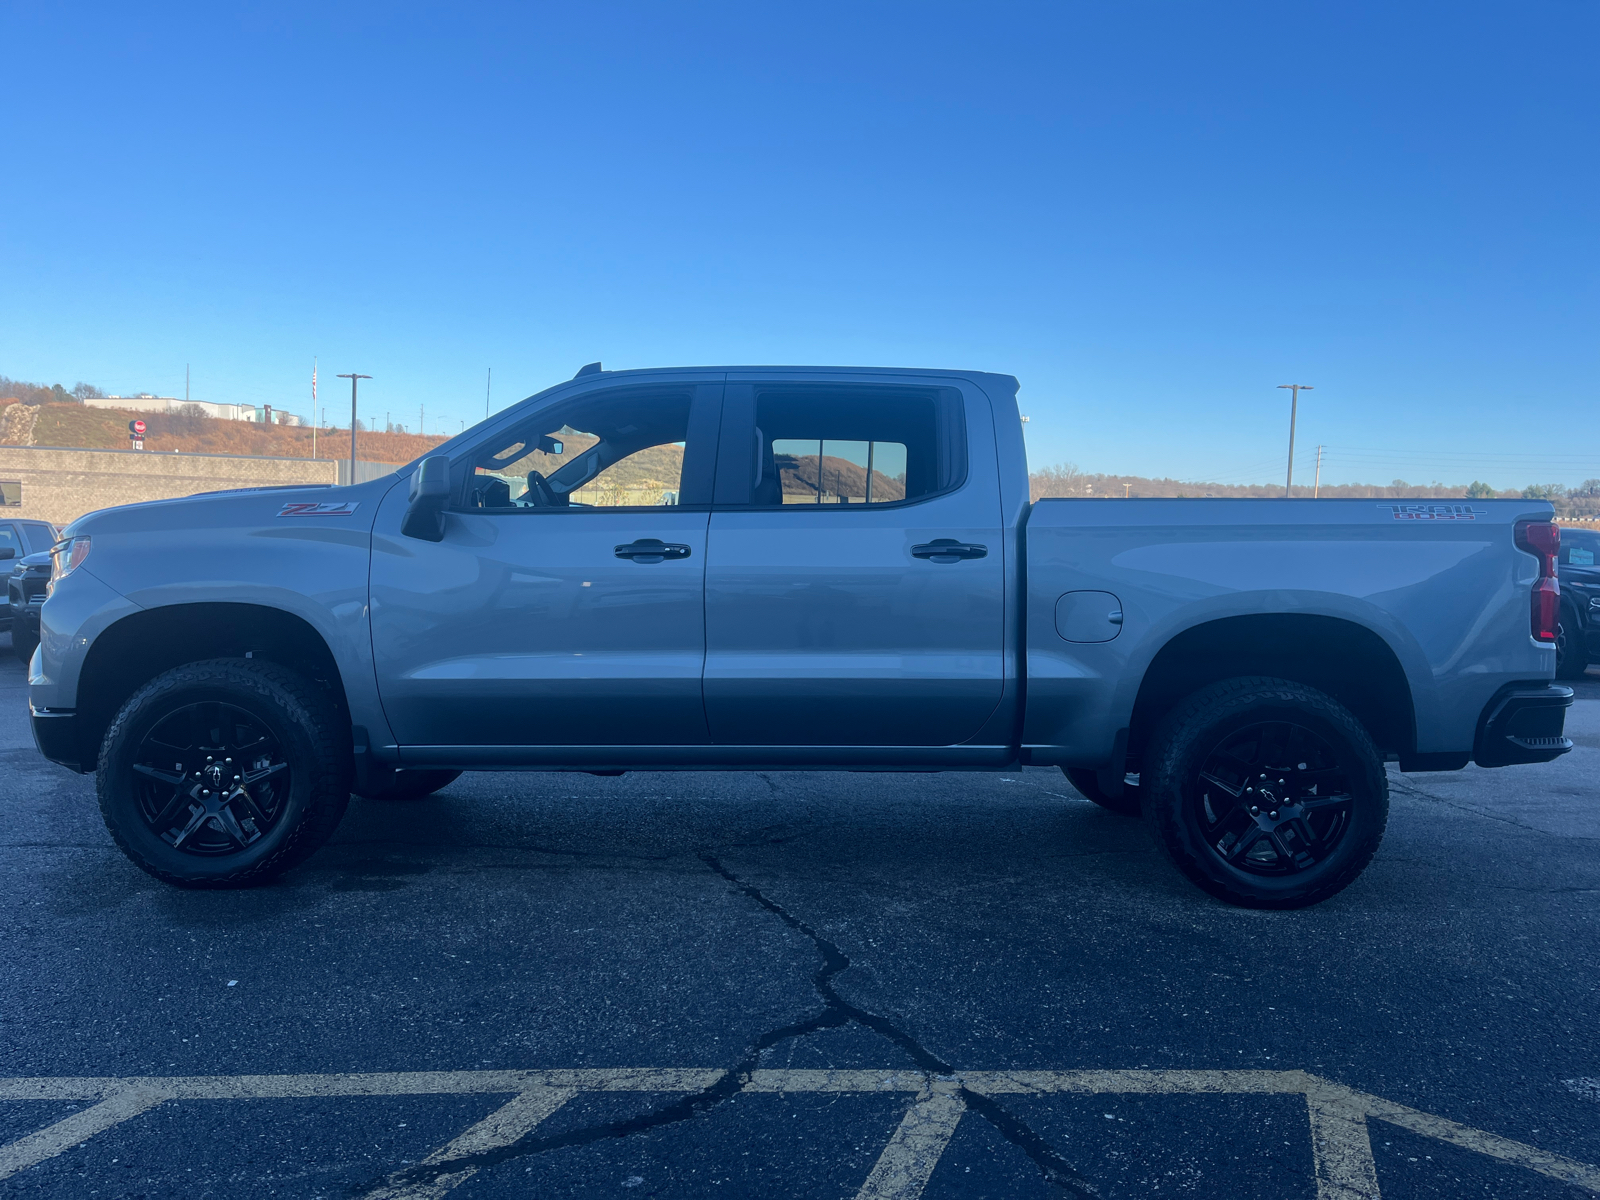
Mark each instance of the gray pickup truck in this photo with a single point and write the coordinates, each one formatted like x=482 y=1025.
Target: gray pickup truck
x=789 y=568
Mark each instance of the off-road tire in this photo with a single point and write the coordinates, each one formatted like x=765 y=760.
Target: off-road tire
x=407 y=785
x=1572 y=658
x=1088 y=784
x=23 y=642
x=314 y=741
x=1202 y=723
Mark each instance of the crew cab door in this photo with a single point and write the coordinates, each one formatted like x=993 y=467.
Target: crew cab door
x=855 y=572
x=565 y=603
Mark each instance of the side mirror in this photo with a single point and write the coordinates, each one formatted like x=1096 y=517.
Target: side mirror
x=430 y=492
x=8 y=552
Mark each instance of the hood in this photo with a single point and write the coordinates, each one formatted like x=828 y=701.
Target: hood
x=240 y=508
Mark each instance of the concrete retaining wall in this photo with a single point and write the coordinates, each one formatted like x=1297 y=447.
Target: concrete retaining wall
x=60 y=485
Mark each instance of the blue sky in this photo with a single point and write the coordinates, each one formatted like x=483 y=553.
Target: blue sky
x=1151 y=213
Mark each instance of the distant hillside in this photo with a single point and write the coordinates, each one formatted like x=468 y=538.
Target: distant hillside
x=1065 y=480
x=69 y=424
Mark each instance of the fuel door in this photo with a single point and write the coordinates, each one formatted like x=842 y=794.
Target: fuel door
x=1088 y=616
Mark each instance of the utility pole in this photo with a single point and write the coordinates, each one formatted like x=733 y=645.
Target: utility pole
x=422 y=418
x=186 y=383
x=486 y=385
x=1317 y=486
x=1294 y=408
x=313 y=406
x=352 y=378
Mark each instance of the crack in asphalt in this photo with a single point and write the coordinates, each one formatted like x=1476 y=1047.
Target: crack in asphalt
x=836 y=1012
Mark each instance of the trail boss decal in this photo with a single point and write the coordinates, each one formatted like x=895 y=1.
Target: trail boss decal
x=1434 y=512
x=310 y=509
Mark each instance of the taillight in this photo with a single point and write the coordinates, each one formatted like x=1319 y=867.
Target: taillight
x=1542 y=539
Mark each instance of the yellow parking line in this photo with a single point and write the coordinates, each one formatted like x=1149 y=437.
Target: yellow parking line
x=79 y=1127
x=907 y=1162
x=1338 y=1115
x=507 y=1124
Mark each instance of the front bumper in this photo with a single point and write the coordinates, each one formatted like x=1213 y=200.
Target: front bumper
x=55 y=732
x=1523 y=724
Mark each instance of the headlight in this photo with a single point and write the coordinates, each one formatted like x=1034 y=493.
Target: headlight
x=65 y=558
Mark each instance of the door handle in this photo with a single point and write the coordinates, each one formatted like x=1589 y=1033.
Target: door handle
x=652 y=550
x=948 y=550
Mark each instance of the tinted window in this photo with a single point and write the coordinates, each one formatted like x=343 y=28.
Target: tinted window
x=40 y=537
x=829 y=446
x=610 y=451
x=1579 y=547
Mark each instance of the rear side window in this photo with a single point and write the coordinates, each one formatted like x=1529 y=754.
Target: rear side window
x=838 y=447
x=1578 y=546
x=40 y=537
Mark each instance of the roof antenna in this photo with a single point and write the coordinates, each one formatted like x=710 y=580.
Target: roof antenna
x=587 y=369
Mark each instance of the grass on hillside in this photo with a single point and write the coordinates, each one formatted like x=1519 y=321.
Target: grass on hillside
x=78 y=426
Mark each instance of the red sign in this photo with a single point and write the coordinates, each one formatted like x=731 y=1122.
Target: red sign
x=136 y=428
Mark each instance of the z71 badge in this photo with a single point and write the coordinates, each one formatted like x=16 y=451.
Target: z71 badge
x=306 y=509
x=1434 y=512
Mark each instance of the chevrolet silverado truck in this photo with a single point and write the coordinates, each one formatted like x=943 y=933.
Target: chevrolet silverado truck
x=789 y=569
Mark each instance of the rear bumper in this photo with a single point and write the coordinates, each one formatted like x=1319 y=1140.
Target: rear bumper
x=1523 y=724
x=55 y=732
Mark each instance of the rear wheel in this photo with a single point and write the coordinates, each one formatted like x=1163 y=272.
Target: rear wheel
x=1572 y=657
x=1088 y=784
x=406 y=785
x=224 y=773
x=1266 y=793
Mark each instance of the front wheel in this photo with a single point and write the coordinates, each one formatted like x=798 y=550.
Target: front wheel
x=1265 y=793
x=224 y=773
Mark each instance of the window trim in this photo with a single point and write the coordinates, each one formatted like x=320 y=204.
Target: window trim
x=736 y=470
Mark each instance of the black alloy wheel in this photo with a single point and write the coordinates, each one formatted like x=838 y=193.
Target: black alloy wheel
x=1265 y=792
x=212 y=779
x=1272 y=799
x=224 y=773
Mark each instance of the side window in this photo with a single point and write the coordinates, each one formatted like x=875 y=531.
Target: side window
x=1578 y=547
x=854 y=446
x=40 y=537
x=610 y=451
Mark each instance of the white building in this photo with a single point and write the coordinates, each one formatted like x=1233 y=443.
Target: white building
x=222 y=412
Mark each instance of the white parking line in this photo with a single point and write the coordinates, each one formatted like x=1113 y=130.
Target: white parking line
x=1337 y=1115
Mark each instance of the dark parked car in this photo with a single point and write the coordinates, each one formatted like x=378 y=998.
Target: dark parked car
x=1578 y=639
x=18 y=539
x=25 y=589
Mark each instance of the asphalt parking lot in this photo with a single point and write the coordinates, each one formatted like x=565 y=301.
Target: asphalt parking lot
x=830 y=985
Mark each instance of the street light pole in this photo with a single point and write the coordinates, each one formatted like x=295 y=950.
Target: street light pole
x=1294 y=409
x=352 y=378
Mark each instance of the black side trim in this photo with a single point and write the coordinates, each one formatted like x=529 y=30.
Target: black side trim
x=56 y=733
x=1523 y=724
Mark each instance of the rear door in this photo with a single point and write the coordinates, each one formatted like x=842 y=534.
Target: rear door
x=855 y=571
x=565 y=604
